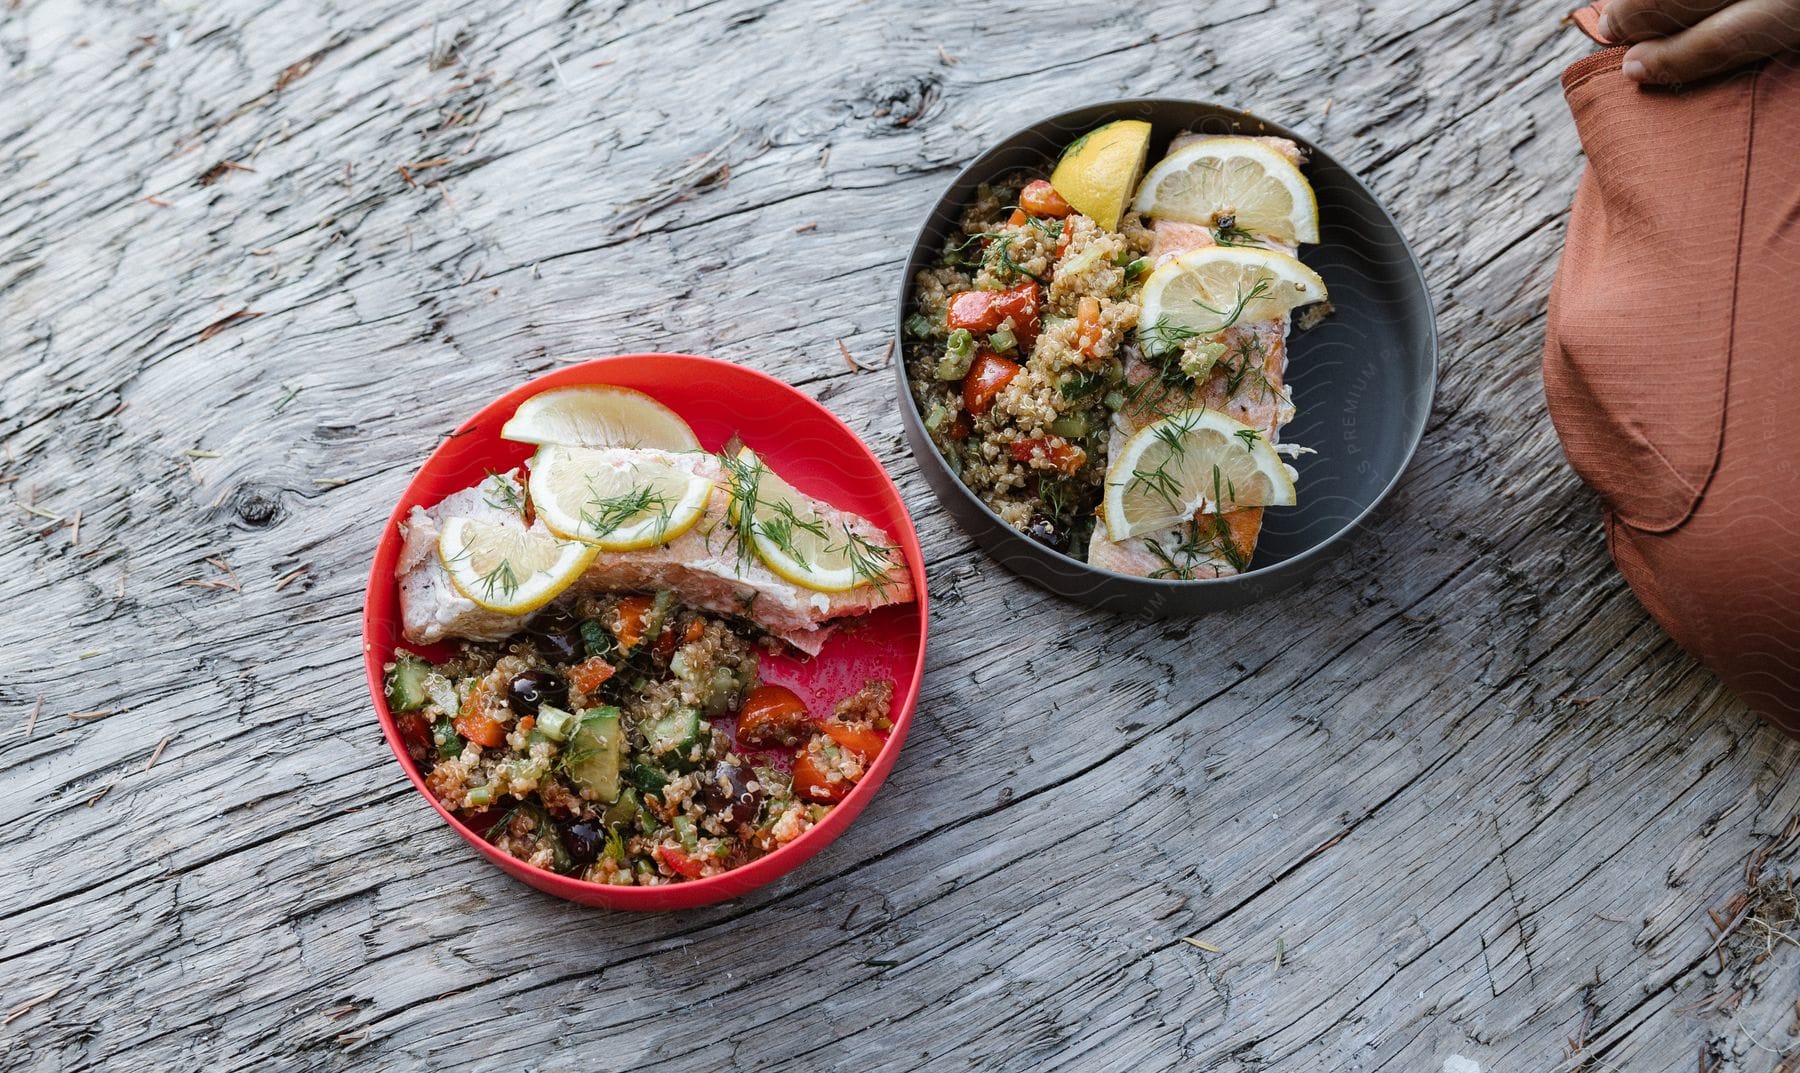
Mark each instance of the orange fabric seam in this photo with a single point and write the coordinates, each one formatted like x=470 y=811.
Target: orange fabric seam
x=1724 y=396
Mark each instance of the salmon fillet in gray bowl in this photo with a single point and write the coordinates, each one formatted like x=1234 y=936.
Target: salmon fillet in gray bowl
x=1161 y=356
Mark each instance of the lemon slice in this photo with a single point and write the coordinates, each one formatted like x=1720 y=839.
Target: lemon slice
x=612 y=500
x=1100 y=169
x=1191 y=461
x=794 y=539
x=507 y=568
x=599 y=415
x=1242 y=178
x=1212 y=288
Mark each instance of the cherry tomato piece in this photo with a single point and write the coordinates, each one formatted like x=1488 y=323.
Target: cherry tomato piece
x=989 y=373
x=773 y=718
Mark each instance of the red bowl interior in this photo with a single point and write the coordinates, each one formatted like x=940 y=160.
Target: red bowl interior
x=799 y=439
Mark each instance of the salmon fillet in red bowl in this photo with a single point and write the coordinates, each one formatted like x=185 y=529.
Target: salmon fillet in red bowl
x=647 y=632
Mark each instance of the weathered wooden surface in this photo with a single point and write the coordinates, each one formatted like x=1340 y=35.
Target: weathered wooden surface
x=1458 y=797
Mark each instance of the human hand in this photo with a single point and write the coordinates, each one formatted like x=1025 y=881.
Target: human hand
x=1684 y=40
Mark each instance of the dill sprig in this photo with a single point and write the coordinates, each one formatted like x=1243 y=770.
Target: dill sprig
x=1249 y=436
x=743 y=478
x=602 y=515
x=781 y=529
x=511 y=499
x=1229 y=318
x=1192 y=550
x=870 y=560
x=1224 y=542
x=1159 y=481
x=502 y=577
x=1227 y=233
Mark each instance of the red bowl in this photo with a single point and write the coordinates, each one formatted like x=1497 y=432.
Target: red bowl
x=799 y=439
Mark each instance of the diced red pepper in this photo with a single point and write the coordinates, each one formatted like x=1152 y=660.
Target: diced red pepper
x=590 y=674
x=696 y=629
x=1057 y=451
x=678 y=860
x=773 y=717
x=987 y=375
x=479 y=728
x=1039 y=198
x=1062 y=240
x=634 y=611
x=861 y=740
x=1087 y=329
x=475 y=724
x=985 y=311
x=810 y=783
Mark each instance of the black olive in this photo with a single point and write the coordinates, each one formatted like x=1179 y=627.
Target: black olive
x=529 y=689
x=583 y=840
x=558 y=635
x=727 y=792
x=1042 y=530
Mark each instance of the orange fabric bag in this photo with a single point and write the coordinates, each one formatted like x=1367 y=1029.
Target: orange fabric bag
x=1672 y=364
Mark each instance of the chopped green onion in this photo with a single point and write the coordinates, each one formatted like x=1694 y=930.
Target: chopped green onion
x=919 y=326
x=1070 y=426
x=1003 y=341
x=1136 y=270
x=554 y=723
x=959 y=354
x=480 y=796
x=937 y=417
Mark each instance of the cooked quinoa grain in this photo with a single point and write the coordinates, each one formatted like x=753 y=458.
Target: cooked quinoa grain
x=604 y=743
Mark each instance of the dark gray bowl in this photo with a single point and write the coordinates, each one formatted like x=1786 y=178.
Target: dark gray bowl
x=1362 y=380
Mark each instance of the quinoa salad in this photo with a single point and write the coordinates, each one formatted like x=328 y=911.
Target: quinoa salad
x=628 y=740
x=1056 y=336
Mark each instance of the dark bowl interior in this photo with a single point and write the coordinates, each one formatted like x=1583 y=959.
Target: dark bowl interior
x=1362 y=380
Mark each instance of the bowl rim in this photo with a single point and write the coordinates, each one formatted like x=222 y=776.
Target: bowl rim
x=1294 y=565
x=735 y=882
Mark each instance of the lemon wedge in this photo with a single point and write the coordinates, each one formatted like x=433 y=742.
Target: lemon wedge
x=1187 y=462
x=1100 y=169
x=1241 y=178
x=508 y=568
x=599 y=415
x=794 y=539
x=1213 y=288
x=613 y=500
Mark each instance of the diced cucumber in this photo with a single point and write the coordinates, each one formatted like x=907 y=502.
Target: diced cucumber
x=598 y=639
x=554 y=723
x=647 y=779
x=480 y=796
x=673 y=738
x=594 y=753
x=449 y=742
x=684 y=830
x=1070 y=426
x=658 y=616
x=406 y=683
x=622 y=811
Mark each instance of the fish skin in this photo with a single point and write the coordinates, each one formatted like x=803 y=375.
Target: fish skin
x=702 y=566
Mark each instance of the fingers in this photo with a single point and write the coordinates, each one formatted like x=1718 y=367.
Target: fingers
x=1733 y=37
x=1625 y=21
